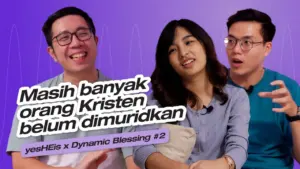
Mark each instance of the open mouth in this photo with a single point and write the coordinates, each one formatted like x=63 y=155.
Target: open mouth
x=187 y=62
x=237 y=61
x=79 y=56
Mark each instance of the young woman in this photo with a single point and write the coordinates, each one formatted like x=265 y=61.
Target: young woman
x=188 y=73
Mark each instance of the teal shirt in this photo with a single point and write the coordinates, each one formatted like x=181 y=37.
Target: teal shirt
x=270 y=137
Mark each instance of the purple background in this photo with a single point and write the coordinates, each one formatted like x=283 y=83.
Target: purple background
x=128 y=32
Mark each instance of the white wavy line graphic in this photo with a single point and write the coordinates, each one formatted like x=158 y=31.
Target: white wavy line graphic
x=104 y=31
x=135 y=26
x=7 y=75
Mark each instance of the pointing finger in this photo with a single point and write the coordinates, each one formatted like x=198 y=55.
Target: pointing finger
x=279 y=83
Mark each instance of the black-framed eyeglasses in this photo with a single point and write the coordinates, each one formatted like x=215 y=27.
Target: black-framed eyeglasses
x=246 y=44
x=65 y=38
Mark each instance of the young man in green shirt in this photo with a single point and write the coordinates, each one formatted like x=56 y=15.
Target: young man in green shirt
x=274 y=131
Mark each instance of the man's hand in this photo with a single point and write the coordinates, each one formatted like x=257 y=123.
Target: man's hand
x=283 y=97
x=210 y=164
x=93 y=159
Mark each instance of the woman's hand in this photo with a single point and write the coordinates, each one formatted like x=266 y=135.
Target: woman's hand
x=210 y=164
x=93 y=159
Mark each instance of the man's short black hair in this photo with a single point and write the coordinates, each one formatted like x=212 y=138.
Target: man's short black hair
x=268 y=29
x=47 y=28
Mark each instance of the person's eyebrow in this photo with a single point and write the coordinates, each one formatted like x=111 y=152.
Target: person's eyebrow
x=187 y=36
x=78 y=28
x=231 y=36
x=244 y=37
x=81 y=27
x=247 y=37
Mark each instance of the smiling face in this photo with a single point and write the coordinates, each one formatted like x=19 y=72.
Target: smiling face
x=78 y=55
x=243 y=59
x=186 y=54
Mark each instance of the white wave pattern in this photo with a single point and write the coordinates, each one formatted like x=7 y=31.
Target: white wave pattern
x=105 y=32
x=135 y=27
x=14 y=27
x=288 y=33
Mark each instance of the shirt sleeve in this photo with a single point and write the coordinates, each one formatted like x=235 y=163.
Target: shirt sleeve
x=15 y=143
x=297 y=95
x=236 y=139
x=141 y=153
x=127 y=151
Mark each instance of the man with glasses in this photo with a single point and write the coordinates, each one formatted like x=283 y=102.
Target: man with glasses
x=72 y=42
x=274 y=131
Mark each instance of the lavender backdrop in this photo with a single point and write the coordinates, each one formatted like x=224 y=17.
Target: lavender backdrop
x=128 y=32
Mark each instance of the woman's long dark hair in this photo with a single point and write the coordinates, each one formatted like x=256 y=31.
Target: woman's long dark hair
x=167 y=85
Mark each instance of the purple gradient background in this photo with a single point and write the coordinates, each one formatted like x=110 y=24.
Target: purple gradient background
x=128 y=33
